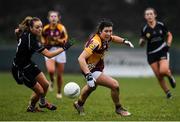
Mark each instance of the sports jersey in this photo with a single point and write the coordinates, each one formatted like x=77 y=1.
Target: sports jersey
x=49 y=32
x=28 y=44
x=97 y=47
x=155 y=37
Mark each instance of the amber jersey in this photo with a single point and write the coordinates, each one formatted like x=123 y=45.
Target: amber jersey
x=97 y=48
x=50 y=33
x=155 y=37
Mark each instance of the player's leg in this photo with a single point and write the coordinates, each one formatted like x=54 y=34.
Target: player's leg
x=165 y=71
x=60 y=60
x=38 y=91
x=85 y=92
x=41 y=79
x=50 y=65
x=111 y=83
x=156 y=69
x=60 y=70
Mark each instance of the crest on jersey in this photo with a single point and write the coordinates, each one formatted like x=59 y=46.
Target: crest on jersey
x=92 y=46
x=148 y=35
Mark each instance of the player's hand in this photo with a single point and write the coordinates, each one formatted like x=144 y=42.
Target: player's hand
x=166 y=48
x=90 y=80
x=128 y=43
x=68 y=44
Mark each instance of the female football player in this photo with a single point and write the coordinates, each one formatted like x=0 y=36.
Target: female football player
x=159 y=40
x=24 y=70
x=55 y=35
x=91 y=62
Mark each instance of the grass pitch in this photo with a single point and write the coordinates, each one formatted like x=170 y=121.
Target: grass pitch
x=143 y=97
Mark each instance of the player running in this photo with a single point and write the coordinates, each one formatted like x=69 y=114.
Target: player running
x=24 y=70
x=55 y=35
x=159 y=40
x=91 y=62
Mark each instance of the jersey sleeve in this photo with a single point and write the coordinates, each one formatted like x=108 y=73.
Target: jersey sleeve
x=36 y=44
x=62 y=29
x=91 y=46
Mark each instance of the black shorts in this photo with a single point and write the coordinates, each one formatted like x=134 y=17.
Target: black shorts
x=151 y=58
x=25 y=75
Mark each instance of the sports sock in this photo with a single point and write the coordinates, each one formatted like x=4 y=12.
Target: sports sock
x=80 y=103
x=118 y=106
x=168 y=94
x=42 y=100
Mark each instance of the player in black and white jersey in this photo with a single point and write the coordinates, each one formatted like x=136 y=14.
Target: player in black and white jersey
x=24 y=70
x=158 y=39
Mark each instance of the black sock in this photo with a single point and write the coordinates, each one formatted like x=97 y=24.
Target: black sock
x=80 y=103
x=42 y=101
x=32 y=105
x=118 y=106
x=168 y=94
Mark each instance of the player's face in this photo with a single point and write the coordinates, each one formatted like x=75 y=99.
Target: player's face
x=53 y=18
x=106 y=33
x=150 y=15
x=37 y=28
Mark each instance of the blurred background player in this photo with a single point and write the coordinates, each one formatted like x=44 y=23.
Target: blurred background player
x=159 y=40
x=91 y=62
x=26 y=71
x=54 y=36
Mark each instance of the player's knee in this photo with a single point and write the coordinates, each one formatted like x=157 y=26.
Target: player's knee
x=115 y=86
x=51 y=71
x=163 y=72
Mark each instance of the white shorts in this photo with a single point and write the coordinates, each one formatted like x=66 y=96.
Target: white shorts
x=60 y=58
x=96 y=74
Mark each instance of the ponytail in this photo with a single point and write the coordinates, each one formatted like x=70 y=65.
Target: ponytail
x=23 y=26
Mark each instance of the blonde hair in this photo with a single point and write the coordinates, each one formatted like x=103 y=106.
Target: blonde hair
x=23 y=26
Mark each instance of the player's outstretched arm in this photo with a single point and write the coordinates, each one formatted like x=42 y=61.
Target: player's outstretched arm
x=121 y=40
x=51 y=54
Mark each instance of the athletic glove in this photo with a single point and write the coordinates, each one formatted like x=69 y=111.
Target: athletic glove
x=90 y=80
x=166 y=48
x=128 y=43
x=68 y=44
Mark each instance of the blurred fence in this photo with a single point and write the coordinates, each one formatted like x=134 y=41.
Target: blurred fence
x=118 y=62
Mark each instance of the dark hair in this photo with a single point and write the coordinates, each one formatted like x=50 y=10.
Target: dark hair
x=150 y=8
x=102 y=24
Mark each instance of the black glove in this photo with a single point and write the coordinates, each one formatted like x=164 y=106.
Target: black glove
x=68 y=44
x=166 y=48
x=90 y=80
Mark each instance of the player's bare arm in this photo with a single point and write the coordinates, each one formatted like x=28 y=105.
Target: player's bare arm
x=121 y=40
x=169 y=38
x=82 y=61
x=49 y=54
x=142 y=42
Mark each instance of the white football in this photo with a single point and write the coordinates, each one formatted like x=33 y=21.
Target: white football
x=71 y=90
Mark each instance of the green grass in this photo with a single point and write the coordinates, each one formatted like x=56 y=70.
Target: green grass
x=143 y=97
